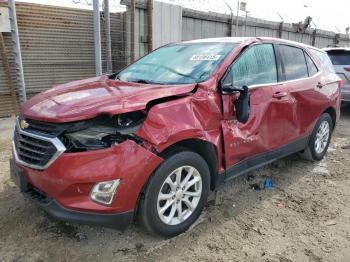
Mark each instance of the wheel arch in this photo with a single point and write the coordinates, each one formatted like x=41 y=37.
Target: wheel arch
x=331 y=111
x=204 y=148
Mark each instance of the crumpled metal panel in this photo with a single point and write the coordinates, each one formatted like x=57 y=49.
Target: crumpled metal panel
x=197 y=116
x=88 y=98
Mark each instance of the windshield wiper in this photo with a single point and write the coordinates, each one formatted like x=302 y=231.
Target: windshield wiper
x=142 y=81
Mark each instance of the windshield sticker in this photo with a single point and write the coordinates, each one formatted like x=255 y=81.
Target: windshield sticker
x=205 y=57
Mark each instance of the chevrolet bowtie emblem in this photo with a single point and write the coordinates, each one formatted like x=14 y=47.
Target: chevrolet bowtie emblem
x=23 y=124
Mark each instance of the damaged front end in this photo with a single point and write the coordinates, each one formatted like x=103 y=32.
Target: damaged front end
x=102 y=131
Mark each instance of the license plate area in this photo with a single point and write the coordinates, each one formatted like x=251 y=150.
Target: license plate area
x=18 y=176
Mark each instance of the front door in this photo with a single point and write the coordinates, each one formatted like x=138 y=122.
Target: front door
x=258 y=69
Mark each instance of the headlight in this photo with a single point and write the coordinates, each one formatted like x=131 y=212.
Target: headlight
x=92 y=138
x=102 y=132
x=103 y=192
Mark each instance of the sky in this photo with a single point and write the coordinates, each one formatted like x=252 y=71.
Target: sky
x=328 y=15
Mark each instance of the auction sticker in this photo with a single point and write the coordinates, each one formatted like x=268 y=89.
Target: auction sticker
x=205 y=57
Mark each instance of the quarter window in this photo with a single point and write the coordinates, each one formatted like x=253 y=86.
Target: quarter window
x=294 y=62
x=324 y=59
x=255 y=66
x=312 y=69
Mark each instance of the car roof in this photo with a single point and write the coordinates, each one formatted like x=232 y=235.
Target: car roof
x=239 y=40
x=336 y=49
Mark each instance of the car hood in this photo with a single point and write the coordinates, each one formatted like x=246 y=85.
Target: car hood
x=88 y=98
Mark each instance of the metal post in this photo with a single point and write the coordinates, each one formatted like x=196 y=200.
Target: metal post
x=237 y=18
x=245 y=23
x=6 y=65
x=149 y=25
x=108 y=36
x=97 y=37
x=17 y=51
x=132 y=31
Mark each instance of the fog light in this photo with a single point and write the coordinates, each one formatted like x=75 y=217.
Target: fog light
x=103 y=192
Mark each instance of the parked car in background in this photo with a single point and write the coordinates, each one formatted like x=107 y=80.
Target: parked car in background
x=151 y=141
x=340 y=57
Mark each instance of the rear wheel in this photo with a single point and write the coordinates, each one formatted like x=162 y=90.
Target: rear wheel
x=176 y=194
x=319 y=139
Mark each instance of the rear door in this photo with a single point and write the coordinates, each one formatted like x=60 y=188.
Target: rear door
x=301 y=81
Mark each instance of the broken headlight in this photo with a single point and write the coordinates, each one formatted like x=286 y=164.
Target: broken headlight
x=102 y=132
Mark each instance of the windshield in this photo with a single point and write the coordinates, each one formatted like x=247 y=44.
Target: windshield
x=177 y=64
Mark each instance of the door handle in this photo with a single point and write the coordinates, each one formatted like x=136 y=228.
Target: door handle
x=280 y=94
x=319 y=85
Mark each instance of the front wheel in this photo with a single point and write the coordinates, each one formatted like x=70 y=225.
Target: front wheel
x=319 y=139
x=176 y=194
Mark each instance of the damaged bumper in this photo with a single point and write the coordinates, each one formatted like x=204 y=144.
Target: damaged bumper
x=63 y=189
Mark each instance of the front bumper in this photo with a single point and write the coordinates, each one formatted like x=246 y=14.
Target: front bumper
x=53 y=208
x=67 y=183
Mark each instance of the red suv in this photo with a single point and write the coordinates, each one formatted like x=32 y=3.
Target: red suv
x=151 y=141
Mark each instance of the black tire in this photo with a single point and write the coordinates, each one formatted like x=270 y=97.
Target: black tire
x=310 y=152
x=148 y=213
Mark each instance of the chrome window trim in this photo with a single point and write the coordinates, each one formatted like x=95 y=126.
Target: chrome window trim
x=55 y=141
x=284 y=82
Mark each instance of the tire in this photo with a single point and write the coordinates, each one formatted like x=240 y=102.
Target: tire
x=313 y=151
x=154 y=214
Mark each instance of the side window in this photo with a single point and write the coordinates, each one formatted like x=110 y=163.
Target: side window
x=311 y=67
x=294 y=62
x=255 y=66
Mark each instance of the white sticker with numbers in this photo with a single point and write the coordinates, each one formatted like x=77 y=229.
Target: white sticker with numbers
x=205 y=57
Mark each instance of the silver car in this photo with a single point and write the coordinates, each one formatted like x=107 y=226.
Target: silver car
x=340 y=57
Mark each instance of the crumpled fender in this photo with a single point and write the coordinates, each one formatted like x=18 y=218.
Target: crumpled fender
x=196 y=116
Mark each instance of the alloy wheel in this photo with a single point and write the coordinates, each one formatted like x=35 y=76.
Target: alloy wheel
x=179 y=195
x=322 y=137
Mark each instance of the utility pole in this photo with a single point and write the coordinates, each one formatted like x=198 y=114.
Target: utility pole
x=108 y=36
x=17 y=51
x=237 y=18
x=97 y=37
x=150 y=25
x=132 y=31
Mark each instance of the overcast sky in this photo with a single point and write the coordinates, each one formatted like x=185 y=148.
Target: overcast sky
x=329 y=15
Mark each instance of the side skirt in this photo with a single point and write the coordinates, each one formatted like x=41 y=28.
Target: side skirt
x=262 y=159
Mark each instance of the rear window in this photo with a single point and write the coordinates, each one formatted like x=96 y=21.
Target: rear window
x=339 y=57
x=294 y=62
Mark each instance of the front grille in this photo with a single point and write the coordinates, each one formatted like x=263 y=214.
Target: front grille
x=50 y=129
x=35 y=151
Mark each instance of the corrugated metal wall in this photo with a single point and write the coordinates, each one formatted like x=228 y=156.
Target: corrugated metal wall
x=166 y=23
x=197 y=24
x=57 y=47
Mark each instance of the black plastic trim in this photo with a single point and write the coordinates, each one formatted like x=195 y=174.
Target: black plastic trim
x=262 y=159
x=116 y=220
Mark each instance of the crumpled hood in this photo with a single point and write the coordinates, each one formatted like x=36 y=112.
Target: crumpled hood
x=88 y=98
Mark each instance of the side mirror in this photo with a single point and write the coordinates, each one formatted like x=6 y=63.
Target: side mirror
x=229 y=88
x=242 y=105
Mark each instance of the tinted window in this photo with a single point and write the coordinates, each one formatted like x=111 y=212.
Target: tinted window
x=255 y=66
x=178 y=63
x=311 y=67
x=324 y=59
x=339 y=57
x=294 y=62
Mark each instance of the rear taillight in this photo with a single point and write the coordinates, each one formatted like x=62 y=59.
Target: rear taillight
x=347 y=69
